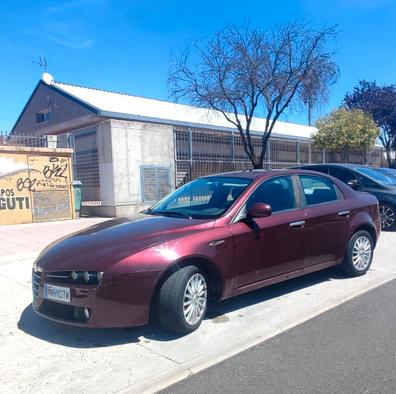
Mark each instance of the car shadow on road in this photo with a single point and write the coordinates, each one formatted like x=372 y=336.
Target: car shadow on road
x=273 y=291
x=70 y=336
x=77 y=337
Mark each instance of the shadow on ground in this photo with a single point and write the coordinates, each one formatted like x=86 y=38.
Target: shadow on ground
x=77 y=337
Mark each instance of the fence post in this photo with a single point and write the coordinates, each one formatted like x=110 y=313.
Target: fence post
x=298 y=151
x=309 y=153
x=233 y=150
x=382 y=156
x=269 y=153
x=190 y=146
x=324 y=155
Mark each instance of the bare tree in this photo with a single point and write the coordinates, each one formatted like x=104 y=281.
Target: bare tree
x=244 y=72
x=316 y=86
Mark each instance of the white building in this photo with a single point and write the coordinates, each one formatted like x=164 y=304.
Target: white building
x=131 y=150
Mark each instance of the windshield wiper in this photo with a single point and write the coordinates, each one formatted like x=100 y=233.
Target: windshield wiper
x=172 y=213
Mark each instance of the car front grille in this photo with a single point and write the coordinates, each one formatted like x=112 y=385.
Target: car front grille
x=59 y=277
x=65 y=277
x=65 y=312
x=36 y=278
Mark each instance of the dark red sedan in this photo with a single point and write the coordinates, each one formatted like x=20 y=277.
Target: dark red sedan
x=213 y=238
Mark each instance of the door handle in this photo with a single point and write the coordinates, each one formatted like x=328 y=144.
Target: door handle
x=299 y=224
x=344 y=213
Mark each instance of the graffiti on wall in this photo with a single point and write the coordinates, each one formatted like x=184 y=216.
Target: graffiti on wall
x=25 y=180
x=9 y=169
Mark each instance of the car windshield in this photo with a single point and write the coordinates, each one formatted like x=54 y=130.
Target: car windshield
x=201 y=199
x=378 y=175
x=389 y=172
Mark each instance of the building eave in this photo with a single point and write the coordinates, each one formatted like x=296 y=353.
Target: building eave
x=73 y=98
x=170 y=122
x=60 y=91
x=26 y=105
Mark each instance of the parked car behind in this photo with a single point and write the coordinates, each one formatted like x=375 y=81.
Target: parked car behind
x=378 y=181
x=211 y=239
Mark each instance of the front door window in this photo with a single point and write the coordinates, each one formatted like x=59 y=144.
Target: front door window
x=277 y=192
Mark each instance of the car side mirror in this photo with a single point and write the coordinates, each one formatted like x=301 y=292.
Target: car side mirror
x=354 y=184
x=259 y=210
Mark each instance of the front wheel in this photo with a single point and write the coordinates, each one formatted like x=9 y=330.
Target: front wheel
x=359 y=254
x=183 y=300
x=388 y=216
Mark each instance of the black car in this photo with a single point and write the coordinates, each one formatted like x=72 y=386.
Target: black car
x=378 y=181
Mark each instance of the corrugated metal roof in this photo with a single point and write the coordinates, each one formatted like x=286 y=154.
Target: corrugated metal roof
x=125 y=106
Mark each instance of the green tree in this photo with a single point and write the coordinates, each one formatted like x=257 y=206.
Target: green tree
x=344 y=130
x=380 y=102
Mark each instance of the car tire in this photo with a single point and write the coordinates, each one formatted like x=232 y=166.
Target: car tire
x=182 y=300
x=359 y=254
x=388 y=216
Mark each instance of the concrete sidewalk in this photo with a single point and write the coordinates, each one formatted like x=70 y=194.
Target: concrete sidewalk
x=22 y=241
x=38 y=355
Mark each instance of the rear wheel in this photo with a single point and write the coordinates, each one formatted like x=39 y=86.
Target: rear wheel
x=182 y=300
x=388 y=216
x=359 y=254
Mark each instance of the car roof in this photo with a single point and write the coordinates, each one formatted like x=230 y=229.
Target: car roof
x=258 y=174
x=346 y=165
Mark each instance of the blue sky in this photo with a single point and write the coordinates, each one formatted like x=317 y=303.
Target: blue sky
x=125 y=45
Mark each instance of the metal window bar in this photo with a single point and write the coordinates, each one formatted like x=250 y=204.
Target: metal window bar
x=85 y=162
x=200 y=151
x=29 y=140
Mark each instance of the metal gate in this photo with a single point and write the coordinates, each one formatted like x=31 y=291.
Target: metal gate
x=86 y=163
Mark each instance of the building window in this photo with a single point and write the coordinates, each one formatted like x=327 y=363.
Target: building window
x=44 y=116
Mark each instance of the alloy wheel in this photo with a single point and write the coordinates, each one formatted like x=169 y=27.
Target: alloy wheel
x=387 y=216
x=195 y=299
x=361 y=253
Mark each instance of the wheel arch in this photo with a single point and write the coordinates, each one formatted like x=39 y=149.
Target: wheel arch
x=387 y=202
x=208 y=268
x=370 y=229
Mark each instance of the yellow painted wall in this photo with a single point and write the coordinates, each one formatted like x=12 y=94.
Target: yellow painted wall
x=35 y=185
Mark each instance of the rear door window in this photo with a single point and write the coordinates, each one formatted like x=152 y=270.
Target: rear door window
x=319 y=190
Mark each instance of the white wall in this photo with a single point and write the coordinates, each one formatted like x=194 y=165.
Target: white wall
x=123 y=147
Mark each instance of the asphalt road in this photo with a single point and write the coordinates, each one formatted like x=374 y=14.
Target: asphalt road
x=350 y=349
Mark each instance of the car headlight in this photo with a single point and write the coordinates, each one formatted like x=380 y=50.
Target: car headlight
x=87 y=276
x=75 y=275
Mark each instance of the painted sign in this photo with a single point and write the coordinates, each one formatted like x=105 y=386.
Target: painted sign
x=34 y=187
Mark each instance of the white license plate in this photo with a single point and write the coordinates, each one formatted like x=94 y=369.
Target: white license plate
x=57 y=293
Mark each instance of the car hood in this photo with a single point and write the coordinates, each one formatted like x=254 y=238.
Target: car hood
x=102 y=245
